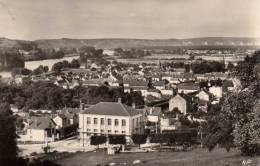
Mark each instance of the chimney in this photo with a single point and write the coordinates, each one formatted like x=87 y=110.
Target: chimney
x=119 y=100
x=81 y=105
x=151 y=110
x=133 y=105
x=174 y=91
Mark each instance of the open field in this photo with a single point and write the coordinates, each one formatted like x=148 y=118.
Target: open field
x=197 y=157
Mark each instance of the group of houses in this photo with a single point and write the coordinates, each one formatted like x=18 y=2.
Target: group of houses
x=167 y=95
x=44 y=126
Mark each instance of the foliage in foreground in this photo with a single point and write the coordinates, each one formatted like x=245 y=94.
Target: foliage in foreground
x=237 y=121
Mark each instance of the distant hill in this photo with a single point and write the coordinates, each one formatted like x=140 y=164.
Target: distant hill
x=21 y=44
x=132 y=43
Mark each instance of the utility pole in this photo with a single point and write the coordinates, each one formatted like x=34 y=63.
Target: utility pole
x=201 y=136
x=83 y=130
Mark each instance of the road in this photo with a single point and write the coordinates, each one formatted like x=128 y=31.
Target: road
x=67 y=145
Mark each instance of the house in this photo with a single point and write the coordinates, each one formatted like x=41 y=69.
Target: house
x=172 y=80
x=228 y=85
x=181 y=102
x=179 y=70
x=169 y=123
x=188 y=87
x=72 y=118
x=61 y=120
x=41 y=129
x=167 y=92
x=153 y=114
x=152 y=92
x=14 y=108
x=216 y=91
x=110 y=118
x=159 y=84
x=203 y=95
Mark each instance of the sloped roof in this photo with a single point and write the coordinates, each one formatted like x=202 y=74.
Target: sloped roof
x=138 y=83
x=62 y=116
x=112 y=108
x=159 y=83
x=156 y=111
x=188 y=86
x=41 y=123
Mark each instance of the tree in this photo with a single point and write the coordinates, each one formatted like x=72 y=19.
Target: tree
x=230 y=66
x=57 y=67
x=10 y=58
x=117 y=139
x=237 y=122
x=45 y=69
x=39 y=70
x=139 y=139
x=20 y=71
x=208 y=67
x=217 y=129
x=97 y=140
x=8 y=147
x=75 y=64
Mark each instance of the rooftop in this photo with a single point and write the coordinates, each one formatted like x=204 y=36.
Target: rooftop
x=41 y=123
x=112 y=108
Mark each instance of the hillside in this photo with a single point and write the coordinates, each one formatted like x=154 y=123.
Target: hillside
x=128 y=43
x=131 y=43
x=21 y=44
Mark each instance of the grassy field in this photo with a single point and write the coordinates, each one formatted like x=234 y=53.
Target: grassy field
x=197 y=157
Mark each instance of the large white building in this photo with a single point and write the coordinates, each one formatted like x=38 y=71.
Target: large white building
x=110 y=118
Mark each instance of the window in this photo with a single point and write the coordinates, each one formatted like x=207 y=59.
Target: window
x=102 y=131
x=116 y=122
x=95 y=130
x=137 y=121
x=102 y=121
x=88 y=120
x=123 y=122
x=109 y=131
x=95 y=121
x=116 y=131
x=88 y=130
x=108 y=121
x=123 y=132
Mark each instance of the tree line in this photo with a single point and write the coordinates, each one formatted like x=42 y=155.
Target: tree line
x=207 y=67
x=131 y=53
x=10 y=58
x=46 y=95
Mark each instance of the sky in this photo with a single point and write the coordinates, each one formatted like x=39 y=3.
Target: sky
x=147 y=19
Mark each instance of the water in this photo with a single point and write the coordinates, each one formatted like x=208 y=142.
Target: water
x=34 y=64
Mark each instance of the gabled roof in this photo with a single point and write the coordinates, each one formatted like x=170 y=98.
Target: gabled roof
x=41 y=123
x=188 y=86
x=156 y=111
x=112 y=108
x=186 y=97
x=159 y=83
x=62 y=116
x=138 y=83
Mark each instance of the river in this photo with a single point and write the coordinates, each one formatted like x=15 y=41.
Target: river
x=34 y=64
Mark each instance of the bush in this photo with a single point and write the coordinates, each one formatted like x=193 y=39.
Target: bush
x=139 y=139
x=176 y=137
x=117 y=139
x=96 y=140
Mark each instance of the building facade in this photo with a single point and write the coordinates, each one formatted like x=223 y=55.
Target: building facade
x=110 y=118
